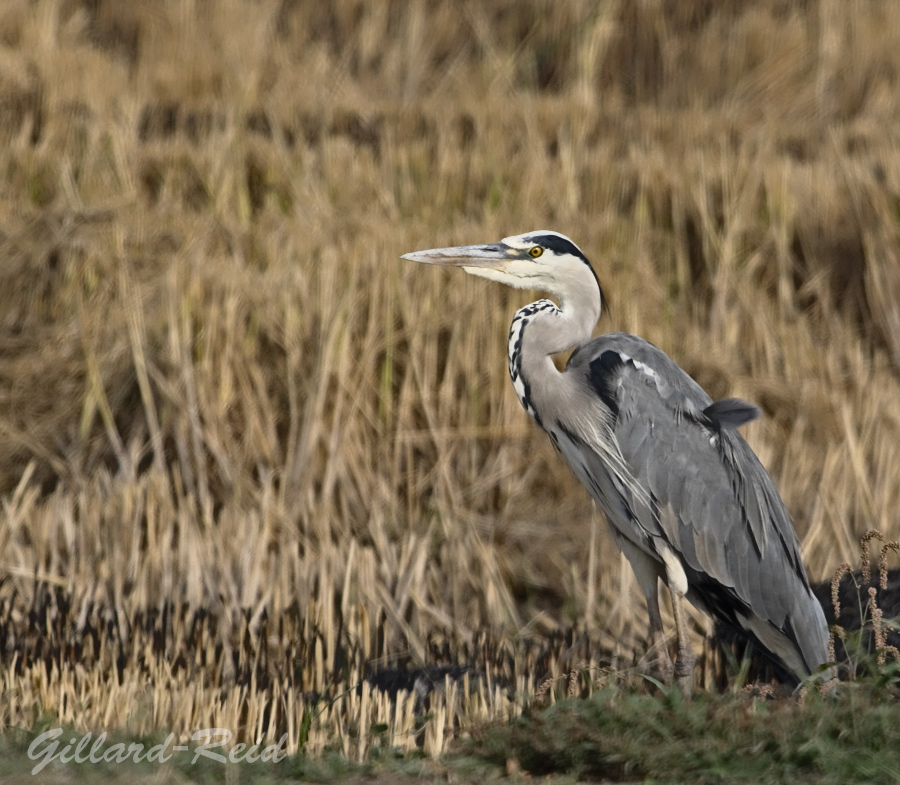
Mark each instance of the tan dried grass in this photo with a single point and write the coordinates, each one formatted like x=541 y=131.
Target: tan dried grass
x=222 y=394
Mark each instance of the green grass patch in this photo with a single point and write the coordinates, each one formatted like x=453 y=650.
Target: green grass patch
x=851 y=735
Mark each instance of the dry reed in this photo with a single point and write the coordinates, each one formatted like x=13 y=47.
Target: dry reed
x=248 y=456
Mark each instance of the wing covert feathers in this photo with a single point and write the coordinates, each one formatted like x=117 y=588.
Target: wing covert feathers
x=705 y=494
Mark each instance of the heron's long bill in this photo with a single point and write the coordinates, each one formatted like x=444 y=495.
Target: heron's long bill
x=463 y=255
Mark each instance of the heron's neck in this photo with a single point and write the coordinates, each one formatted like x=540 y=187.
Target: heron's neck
x=539 y=331
x=573 y=322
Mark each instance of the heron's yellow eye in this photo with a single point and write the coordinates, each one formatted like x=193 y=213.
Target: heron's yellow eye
x=536 y=251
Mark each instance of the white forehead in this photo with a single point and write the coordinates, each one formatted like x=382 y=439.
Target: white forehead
x=527 y=240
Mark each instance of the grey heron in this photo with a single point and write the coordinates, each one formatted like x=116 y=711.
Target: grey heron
x=687 y=500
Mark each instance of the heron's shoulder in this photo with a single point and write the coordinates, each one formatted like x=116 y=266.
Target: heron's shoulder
x=628 y=347
x=612 y=361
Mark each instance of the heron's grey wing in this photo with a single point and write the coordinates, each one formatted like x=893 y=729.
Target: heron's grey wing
x=711 y=499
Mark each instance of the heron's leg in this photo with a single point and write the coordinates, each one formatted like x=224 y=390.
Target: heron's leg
x=658 y=635
x=647 y=573
x=684 y=662
x=676 y=580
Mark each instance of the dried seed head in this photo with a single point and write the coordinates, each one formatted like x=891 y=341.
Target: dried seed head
x=864 y=549
x=835 y=587
x=893 y=545
x=544 y=688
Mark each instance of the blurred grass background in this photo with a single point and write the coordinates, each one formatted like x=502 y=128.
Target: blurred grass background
x=244 y=446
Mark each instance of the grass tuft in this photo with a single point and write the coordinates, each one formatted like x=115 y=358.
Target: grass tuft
x=248 y=457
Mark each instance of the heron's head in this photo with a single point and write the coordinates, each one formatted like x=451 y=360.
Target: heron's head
x=543 y=260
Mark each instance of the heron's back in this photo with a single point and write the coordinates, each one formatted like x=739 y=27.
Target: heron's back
x=703 y=493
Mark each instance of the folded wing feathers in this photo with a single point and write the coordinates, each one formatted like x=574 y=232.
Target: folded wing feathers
x=681 y=449
x=730 y=413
